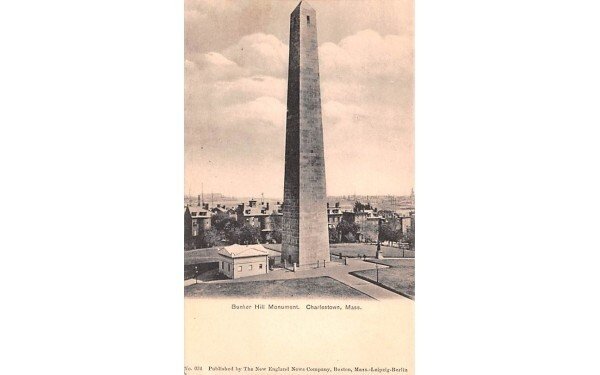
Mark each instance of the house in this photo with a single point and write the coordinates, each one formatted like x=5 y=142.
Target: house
x=237 y=261
x=334 y=215
x=368 y=220
x=407 y=223
x=262 y=216
x=201 y=218
x=222 y=209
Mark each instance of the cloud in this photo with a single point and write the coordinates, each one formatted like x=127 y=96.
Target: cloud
x=265 y=109
x=367 y=55
x=260 y=54
x=203 y=8
x=249 y=88
x=235 y=114
x=211 y=66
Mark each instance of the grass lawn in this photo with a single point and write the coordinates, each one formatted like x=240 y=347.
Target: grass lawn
x=316 y=287
x=273 y=246
x=355 y=249
x=210 y=254
x=400 y=277
x=410 y=263
x=201 y=256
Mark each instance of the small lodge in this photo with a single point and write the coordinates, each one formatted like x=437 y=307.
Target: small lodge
x=243 y=260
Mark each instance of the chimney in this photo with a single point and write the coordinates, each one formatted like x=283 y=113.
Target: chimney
x=267 y=206
x=337 y=204
x=199 y=200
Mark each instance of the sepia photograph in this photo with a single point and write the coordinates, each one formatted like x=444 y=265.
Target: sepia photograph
x=299 y=149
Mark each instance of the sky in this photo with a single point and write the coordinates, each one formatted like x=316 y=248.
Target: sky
x=236 y=60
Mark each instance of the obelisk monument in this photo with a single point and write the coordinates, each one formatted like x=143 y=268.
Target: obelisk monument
x=305 y=238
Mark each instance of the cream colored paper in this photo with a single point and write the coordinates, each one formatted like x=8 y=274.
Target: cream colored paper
x=236 y=65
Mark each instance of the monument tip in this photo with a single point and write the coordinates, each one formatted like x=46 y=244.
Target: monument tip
x=304 y=4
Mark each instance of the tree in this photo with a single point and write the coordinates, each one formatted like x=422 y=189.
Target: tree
x=276 y=235
x=188 y=238
x=388 y=232
x=276 y=226
x=198 y=241
x=359 y=207
x=347 y=230
x=222 y=221
x=245 y=234
x=349 y=237
x=409 y=237
x=333 y=235
x=212 y=237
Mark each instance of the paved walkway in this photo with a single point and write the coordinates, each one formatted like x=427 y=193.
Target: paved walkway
x=334 y=270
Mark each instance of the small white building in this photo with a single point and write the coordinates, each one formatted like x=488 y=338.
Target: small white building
x=243 y=260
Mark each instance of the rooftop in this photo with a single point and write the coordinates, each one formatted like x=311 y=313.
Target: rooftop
x=239 y=251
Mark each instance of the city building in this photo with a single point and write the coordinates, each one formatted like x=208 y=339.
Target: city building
x=222 y=209
x=201 y=218
x=237 y=261
x=334 y=215
x=407 y=222
x=262 y=216
x=368 y=221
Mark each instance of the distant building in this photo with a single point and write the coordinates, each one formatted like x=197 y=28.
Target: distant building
x=261 y=216
x=407 y=222
x=201 y=218
x=222 y=209
x=368 y=220
x=237 y=261
x=334 y=215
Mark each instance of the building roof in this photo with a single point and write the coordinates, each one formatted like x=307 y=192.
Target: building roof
x=196 y=211
x=255 y=211
x=240 y=251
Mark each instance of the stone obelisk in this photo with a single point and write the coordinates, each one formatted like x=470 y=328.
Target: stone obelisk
x=305 y=238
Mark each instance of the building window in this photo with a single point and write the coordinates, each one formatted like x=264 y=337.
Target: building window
x=250 y=267
x=240 y=268
x=260 y=266
x=228 y=267
x=308 y=22
x=222 y=265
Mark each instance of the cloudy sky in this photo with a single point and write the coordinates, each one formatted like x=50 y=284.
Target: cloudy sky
x=236 y=56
